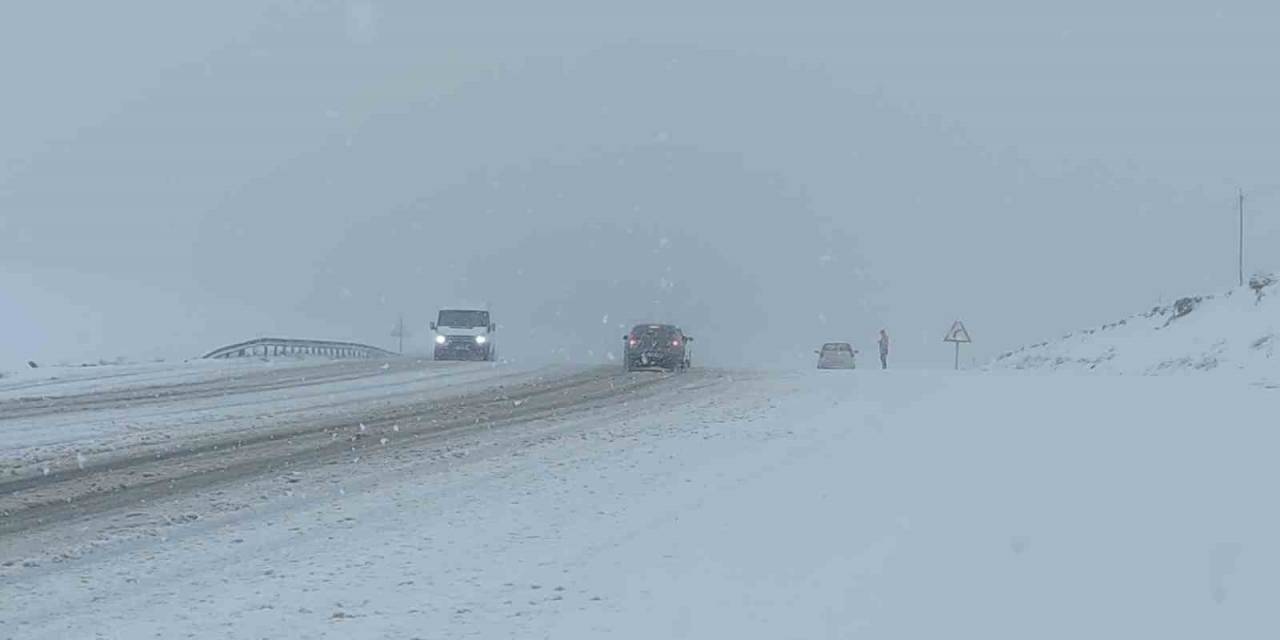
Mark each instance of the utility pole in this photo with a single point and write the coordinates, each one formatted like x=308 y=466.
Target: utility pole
x=399 y=332
x=1241 y=251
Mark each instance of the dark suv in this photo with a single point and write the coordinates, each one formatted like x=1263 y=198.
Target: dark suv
x=656 y=346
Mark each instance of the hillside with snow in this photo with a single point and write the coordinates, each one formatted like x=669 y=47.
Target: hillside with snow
x=1234 y=331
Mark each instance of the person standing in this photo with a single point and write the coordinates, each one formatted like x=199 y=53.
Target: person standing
x=884 y=349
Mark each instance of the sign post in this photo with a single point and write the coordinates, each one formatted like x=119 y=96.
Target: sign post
x=400 y=332
x=958 y=335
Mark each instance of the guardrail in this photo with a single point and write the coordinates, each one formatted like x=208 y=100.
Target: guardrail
x=289 y=347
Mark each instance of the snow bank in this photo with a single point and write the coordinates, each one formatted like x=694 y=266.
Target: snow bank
x=61 y=380
x=1232 y=332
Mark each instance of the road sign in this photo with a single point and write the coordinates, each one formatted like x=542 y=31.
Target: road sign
x=958 y=333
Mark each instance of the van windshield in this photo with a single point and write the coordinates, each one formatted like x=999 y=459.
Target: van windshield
x=463 y=319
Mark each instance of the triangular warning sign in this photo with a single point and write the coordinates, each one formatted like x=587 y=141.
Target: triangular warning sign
x=958 y=333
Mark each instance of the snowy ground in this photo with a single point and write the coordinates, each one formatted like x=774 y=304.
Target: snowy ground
x=1237 y=331
x=735 y=505
x=65 y=380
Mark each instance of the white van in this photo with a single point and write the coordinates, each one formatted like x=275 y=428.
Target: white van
x=464 y=334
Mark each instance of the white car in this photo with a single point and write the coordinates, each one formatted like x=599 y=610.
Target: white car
x=836 y=355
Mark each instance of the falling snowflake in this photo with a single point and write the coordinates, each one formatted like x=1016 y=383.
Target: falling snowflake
x=362 y=22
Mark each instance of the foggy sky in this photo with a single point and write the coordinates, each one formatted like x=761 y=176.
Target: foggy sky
x=770 y=177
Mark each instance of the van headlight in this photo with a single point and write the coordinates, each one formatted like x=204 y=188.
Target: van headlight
x=439 y=339
x=481 y=339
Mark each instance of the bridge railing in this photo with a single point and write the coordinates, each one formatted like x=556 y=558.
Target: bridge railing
x=289 y=347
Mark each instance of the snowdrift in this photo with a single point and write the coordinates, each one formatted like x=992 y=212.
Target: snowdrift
x=1233 y=331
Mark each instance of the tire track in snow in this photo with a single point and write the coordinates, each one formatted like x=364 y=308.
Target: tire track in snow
x=34 y=503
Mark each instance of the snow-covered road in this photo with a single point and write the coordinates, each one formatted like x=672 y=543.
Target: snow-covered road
x=789 y=505
x=94 y=416
x=433 y=407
